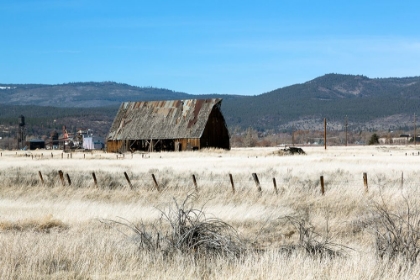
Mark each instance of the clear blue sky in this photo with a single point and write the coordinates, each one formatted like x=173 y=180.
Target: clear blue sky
x=233 y=47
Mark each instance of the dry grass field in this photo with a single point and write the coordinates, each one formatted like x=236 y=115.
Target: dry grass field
x=111 y=230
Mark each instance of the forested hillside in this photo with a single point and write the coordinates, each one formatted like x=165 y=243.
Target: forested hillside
x=41 y=121
x=90 y=94
x=332 y=96
x=388 y=103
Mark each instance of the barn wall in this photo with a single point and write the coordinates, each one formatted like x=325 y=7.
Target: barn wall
x=220 y=140
x=189 y=144
x=186 y=144
x=113 y=146
x=216 y=134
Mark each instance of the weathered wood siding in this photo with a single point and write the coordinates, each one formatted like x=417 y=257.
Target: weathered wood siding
x=215 y=134
x=177 y=125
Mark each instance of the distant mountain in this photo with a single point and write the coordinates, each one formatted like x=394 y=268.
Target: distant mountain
x=385 y=103
x=303 y=106
x=88 y=94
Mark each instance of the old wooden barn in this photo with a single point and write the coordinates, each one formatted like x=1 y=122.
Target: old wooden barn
x=175 y=125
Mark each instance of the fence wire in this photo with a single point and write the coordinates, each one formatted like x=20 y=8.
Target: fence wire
x=141 y=180
x=185 y=181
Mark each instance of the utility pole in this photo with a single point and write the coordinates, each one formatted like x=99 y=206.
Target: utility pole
x=21 y=132
x=325 y=133
x=346 y=130
x=293 y=137
x=414 y=129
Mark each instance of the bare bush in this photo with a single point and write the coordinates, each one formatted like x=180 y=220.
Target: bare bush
x=397 y=234
x=312 y=242
x=185 y=229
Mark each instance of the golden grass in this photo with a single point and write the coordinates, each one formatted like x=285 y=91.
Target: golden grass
x=51 y=231
x=43 y=224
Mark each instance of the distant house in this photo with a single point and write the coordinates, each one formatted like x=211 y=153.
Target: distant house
x=402 y=140
x=36 y=144
x=92 y=143
x=384 y=140
x=175 y=125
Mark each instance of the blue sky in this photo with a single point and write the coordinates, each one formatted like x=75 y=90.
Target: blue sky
x=199 y=47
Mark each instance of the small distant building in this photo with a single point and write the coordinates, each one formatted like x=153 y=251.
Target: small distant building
x=403 y=139
x=54 y=140
x=98 y=144
x=92 y=143
x=175 y=125
x=36 y=144
x=384 y=140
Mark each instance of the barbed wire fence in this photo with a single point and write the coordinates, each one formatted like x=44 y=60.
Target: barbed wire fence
x=191 y=182
x=157 y=180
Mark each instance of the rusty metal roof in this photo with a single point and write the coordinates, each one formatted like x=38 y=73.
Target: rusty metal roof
x=171 y=119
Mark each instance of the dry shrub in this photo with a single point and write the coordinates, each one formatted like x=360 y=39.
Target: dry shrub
x=290 y=151
x=185 y=229
x=397 y=234
x=44 y=224
x=313 y=243
x=191 y=229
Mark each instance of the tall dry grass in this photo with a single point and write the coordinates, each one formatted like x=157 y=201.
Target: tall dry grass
x=51 y=231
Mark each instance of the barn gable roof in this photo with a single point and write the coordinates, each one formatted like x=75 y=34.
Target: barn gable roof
x=172 y=119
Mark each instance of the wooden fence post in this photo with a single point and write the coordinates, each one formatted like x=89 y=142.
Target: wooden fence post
x=365 y=182
x=40 y=177
x=195 y=183
x=275 y=186
x=231 y=182
x=322 y=185
x=156 y=183
x=128 y=180
x=68 y=179
x=94 y=179
x=257 y=182
x=402 y=179
x=61 y=177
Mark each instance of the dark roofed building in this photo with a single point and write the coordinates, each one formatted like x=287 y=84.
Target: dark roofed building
x=175 y=125
x=36 y=144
